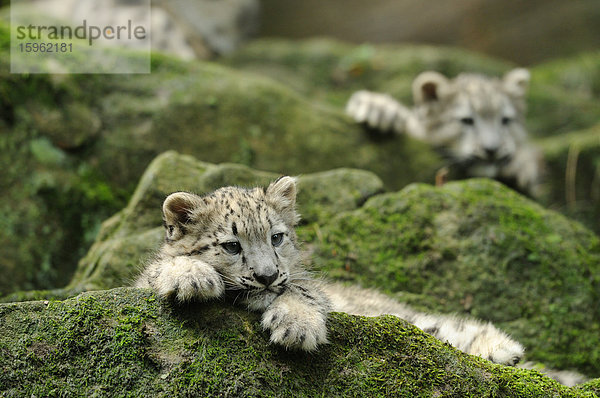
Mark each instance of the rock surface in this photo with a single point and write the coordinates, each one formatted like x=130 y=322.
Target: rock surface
x=75 y=146
x=523 y=32
x=126 y=342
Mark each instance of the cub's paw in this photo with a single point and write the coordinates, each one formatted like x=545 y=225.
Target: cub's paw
x=295 y=325
x=187 y=279
x=497 y=347
x=508 y=353
x=378 y=111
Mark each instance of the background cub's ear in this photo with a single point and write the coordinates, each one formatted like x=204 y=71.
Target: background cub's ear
x=516 y=82
x=178 y=210
x=429 y=87
x=281 y=195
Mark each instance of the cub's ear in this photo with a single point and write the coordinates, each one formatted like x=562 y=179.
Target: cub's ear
x=179 y=209
x=429 y=87
x=516 y=82
x=281 y=195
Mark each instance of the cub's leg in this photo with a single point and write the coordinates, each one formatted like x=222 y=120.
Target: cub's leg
x=378 y=111
x=298 y=317
x=183 y=277
x=471 y=336
x=526 y=168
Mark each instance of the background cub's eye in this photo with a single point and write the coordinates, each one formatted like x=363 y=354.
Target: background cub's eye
x=232 y=247
x=277 y=239
x=467 y=121
x=506 y=120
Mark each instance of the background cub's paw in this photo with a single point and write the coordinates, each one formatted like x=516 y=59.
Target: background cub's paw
x=187 y=278
x=297 y=326
x=378 y=111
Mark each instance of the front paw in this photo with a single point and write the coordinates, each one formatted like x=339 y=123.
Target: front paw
x=378 y=111
x=497 y=347
x=187 y=279
x=296 y=326
x=508 y=353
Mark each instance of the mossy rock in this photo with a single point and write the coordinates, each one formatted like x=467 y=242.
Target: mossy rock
x=125 y=342
x=330 y=70
x=129 y=237
x=475 y=247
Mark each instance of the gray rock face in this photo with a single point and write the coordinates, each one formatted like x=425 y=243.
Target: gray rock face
x=223 y=25
x=187 y=29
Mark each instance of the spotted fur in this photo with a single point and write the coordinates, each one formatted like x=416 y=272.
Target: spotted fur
x=474 y=120
x=242 y=241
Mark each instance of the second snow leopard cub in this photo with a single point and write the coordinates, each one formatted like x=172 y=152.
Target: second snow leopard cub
x=241 y=243
x=475 y=120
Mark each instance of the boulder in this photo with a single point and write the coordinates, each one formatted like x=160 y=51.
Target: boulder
x=523 y=32
x=126 y=341
x=563 y=96
x=471 y=247
x=562 y=101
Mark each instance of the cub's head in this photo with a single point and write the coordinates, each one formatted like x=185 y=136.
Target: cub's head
x=247 y=235
x=473 y=118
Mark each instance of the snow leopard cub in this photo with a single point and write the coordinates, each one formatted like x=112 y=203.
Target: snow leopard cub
x=243 y=241
x=477 y=122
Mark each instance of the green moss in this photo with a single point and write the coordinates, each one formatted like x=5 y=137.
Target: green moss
x=562 y=97
x=331 y=71
x=592 y=386
x=124 y=342
x=472 y=247
x=219 y=115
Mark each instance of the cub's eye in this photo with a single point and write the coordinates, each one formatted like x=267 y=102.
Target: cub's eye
x=467 y=121
x=277 y=239
x=506 y=121
x=232 y=247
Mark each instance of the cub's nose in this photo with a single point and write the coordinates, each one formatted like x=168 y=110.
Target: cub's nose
x=266 y=279
x=491 y=152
